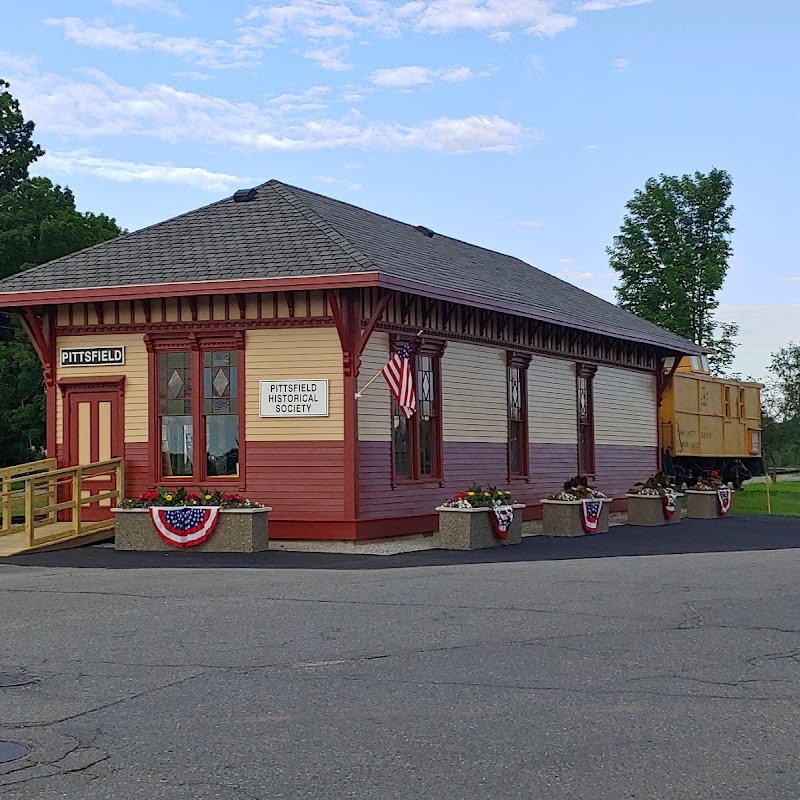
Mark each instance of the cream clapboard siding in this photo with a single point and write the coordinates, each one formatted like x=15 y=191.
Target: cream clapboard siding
x=134 y=370
x=625 y=407
x=294 y=354
x=374 y=407
x=552 y=401
x=474 y=394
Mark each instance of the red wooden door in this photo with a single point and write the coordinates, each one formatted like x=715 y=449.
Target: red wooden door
x=94 y=432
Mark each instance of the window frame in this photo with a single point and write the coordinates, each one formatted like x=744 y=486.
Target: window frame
x=521 y=363
x=727 y=410
x=433 y=349
x=197 y=343
x=742 y=404
x=586 y=372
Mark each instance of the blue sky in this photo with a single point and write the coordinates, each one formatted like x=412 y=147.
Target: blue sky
x=520 y=125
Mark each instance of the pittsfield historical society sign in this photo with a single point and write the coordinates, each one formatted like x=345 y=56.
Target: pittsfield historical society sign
x=294 y=398
x=92 y=356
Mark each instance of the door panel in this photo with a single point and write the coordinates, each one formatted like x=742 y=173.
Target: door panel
x=94 y=433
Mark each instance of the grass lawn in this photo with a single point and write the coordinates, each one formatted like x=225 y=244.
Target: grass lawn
x=752 y=499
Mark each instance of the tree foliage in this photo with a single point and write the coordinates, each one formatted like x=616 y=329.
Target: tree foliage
x=672 y=257
x=38 y=222
x=17 y=150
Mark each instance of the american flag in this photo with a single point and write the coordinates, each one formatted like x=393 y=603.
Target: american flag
x=398 y=375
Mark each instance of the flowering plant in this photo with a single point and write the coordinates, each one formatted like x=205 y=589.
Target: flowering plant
x=180 y=497
x=577 y=488
x=658 y=485
x=476 y=497
x=710 y=483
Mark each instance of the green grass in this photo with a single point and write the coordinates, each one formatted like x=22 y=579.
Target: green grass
x=752 y=499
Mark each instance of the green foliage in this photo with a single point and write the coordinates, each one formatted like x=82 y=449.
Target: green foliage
x=17 y=150
x=672 y=257
x=38 y=222
x=785 y=367
x=784 y=495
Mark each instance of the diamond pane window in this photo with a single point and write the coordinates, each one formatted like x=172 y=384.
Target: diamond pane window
x=517 y=422
x=585 y=399
x=220 y=405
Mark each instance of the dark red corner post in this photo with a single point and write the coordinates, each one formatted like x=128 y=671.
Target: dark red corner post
x=347 y=309
x=40 y=326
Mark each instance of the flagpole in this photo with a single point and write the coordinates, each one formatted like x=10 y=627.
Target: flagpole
x=372 y=380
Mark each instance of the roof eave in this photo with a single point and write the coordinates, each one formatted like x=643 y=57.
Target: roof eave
x=158 y=290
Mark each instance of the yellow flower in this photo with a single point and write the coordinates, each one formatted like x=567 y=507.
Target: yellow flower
x=508 y=492
x=208 y=497
x=470 y=494
x=487 y=494
x=168 y=497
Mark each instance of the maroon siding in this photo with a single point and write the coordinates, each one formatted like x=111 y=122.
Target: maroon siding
x=299 y=480
x=466 y=463
x=137 y=474
x=620 y=466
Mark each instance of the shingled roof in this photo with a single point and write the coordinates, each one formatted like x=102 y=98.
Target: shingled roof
x=287 y=232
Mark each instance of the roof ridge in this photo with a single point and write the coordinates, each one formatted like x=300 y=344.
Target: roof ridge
x=349 y=249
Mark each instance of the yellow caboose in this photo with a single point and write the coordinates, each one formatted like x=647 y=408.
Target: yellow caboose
x=710 y=423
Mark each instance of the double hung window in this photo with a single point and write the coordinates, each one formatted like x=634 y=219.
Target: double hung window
x=417 y=441
x=199 y=410
x=585 y=390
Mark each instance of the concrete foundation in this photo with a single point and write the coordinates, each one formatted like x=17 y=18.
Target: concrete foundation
x=471 y=529
x=563 y=518
x=237 y=531
x=648 y=510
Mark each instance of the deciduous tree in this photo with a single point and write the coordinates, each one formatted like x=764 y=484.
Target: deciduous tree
x=672 y=257
x=17 y=149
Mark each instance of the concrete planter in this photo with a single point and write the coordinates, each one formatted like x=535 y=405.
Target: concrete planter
x=703 y=505
x=238 y=530
x=647 y=510
x=563 y=518
x=471 y=528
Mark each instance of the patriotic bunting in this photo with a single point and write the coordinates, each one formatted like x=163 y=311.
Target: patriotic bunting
x=590 y=514
x=184 y=526
x=501 y=521
x=725 y=500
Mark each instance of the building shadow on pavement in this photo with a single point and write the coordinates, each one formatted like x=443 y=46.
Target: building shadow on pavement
x=735 y=534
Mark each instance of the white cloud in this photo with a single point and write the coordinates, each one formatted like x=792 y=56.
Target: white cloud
x=194 y=76
x=162 y=6
x=339 y=182
x=348 y=19
x=80 y=162
x=457 y=75
x=592 y=146
x=795 y=279
x=536 y=16
x=501 y=37
x=328 y=58
x=620 y=64
x=404 y=77
x=575 y=275
x=18 y=63
x=530 y=224
x=352 y=165
x=100 y=106
x=214 y=54
x=610 y=5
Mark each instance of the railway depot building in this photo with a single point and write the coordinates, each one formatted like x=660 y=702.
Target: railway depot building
x=230 y=347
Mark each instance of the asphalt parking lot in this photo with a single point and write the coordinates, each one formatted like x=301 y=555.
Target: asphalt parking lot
x=644 y=663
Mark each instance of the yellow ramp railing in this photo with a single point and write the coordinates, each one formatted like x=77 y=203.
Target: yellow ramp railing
x=49 y=501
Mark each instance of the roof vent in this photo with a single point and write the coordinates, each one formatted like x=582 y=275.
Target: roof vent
x=425 y=231
x=244 y=195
